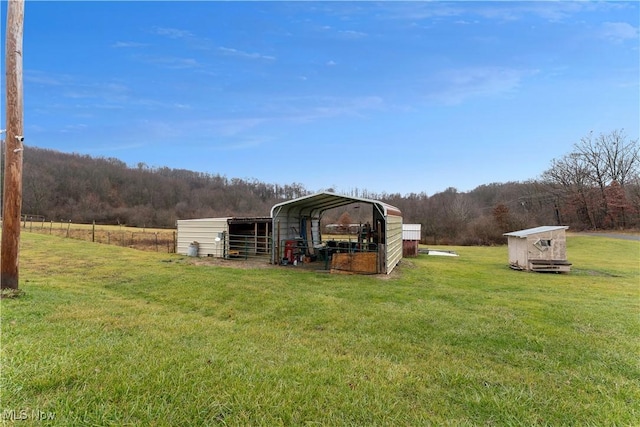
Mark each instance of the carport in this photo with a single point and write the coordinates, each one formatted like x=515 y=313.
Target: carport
x=296 y=226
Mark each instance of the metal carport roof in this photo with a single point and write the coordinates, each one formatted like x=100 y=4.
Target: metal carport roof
x=317 y=203
x=301 y=218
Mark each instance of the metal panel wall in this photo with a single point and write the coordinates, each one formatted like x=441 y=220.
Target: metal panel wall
x=283 y=229
x=204 y=231
x=393 y=242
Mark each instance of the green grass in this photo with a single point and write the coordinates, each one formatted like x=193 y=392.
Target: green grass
x=106 y=335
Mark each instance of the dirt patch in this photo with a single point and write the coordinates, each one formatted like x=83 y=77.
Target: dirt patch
x=252 y=264
x=245 y=264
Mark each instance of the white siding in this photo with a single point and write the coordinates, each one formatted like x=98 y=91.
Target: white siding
x=411 y=231
x=204 y=231
x=393 y=242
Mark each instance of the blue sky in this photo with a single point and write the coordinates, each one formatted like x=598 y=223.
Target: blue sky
x=394 y=97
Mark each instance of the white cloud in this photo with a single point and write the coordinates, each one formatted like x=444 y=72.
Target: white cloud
x=618 y=31
x=352 y=34
x=42 y=78
x=171 y=62
x=464 y=12
x=239 y=53
x=74 y=128
x=461 y=84
x=119 y=45
x=308 y=109
x=173 y=33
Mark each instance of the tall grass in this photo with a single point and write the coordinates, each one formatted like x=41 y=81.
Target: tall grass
x=111 y=336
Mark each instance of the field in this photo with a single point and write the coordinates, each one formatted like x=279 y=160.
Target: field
x=144 y=239
x=110 y=336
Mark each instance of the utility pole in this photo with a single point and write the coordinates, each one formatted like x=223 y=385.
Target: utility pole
x=13 y=147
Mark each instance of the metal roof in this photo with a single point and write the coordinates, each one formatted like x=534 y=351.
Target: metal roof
x=535 y=230
x=233 y=219
x=316 y=203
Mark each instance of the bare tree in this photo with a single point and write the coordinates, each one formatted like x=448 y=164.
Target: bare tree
x=622 y=157
x=587 y=173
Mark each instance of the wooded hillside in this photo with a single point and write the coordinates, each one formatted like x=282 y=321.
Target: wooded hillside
x=596 y=186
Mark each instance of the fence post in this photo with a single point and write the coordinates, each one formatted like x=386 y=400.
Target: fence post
x=93 y=231
x=68 y=228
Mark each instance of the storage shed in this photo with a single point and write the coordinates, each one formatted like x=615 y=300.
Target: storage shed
x=296 y=227
x=539 y=249
x=224 y=237
x=411 y=234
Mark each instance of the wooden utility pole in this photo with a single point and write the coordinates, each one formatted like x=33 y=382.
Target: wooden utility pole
x=13 y=147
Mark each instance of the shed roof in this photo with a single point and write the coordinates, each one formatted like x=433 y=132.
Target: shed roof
x=232 y=219
x=535 y=230
x=318 y=202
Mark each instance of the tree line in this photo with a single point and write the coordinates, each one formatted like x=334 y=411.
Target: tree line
x=595 y=186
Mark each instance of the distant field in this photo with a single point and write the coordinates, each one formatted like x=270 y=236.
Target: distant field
x=109 y=336
x=147 y=239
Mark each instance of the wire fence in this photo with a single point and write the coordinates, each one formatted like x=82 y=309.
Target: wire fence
x=151 y=240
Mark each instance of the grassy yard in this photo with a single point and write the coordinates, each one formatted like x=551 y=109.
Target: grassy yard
x=110 y=336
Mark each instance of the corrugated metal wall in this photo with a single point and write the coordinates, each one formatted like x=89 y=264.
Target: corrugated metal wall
x=204 y=231
x=394 y=242
x=289 y=228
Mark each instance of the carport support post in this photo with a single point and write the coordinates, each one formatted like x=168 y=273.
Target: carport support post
x=12 y=191
x=380 y=253
x=276 y=255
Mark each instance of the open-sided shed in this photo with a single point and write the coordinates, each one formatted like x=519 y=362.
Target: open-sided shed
x=224 y=237
x=299 y=220
x=539 y=249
